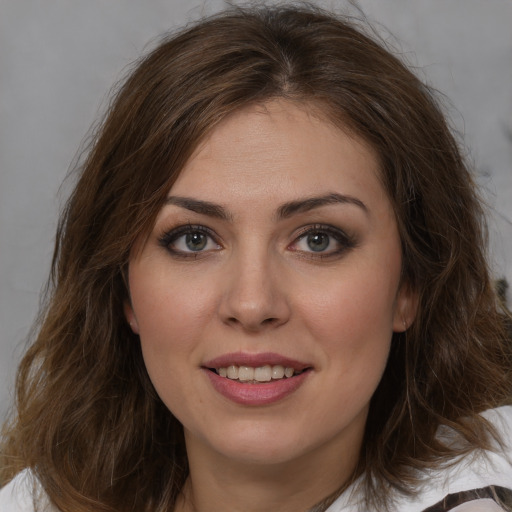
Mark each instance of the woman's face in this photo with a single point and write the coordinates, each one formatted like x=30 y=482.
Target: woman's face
x=268 y=291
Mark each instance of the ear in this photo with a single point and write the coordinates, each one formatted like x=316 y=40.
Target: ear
x=405 y=308
x=130 y=316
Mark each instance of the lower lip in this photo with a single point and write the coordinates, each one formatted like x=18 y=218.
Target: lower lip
x=256 y=394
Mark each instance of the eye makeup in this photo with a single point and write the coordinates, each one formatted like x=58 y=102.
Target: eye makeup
x=321 y=241
x=189 y=241
x=312 y=241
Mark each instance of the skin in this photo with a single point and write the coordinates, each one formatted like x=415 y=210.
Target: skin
x=260 y=285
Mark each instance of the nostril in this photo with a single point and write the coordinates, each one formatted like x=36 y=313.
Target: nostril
x=255 y=325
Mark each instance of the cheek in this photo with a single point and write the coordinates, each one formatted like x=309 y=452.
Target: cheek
x=169 y=316
x=353 y=321
x=169 y=312
x=354 y=328
x=352 y=306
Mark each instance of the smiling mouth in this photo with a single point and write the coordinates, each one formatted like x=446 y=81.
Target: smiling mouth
x=255 y=375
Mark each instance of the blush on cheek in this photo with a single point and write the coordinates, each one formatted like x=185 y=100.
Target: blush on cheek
x=358 y=316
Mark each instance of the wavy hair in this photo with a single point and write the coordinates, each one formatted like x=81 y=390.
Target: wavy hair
x=87 y=420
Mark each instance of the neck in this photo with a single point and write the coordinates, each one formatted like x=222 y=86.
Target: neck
x=217 y=483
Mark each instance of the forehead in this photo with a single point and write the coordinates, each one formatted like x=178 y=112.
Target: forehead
x=266 y=148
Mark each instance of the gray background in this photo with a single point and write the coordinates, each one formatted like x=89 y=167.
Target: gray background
x=58 y=58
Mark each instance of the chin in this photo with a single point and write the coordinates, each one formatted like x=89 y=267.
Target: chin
x=258 y=445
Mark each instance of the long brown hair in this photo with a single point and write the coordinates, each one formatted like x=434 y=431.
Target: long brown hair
x=88 y=422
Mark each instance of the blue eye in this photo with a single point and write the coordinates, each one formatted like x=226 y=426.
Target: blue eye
x=189 y=240
x=195 y=241
x=318 y=242
x=322 y=241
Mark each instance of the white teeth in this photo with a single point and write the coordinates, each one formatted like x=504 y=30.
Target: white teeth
x=245 y=373
x=260 y=374
x=277 y=371
x=263 y=373
x=232 y=372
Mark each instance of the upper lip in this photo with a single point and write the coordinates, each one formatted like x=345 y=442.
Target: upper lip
x=255 y=361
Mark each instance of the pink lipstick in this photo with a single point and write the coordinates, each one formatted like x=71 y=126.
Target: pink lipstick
x=256 y=379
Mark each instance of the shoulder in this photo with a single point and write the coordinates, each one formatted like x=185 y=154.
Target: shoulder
x=23 y=494
x=471 y=484
x=487 y=505
x=473 y=481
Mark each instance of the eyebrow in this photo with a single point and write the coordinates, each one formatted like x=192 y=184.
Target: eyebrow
x=283 y=212
x=310 y=203
x=199 y=206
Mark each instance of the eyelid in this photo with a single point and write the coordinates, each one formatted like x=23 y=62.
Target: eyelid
x=171 y=235
x=344 y=240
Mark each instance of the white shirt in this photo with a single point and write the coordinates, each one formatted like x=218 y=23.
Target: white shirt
x=473 y=473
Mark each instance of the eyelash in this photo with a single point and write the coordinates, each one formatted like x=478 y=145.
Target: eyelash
x=344 y=241
x=170 y=237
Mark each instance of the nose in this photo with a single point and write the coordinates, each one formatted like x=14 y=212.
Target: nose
x=254 y=296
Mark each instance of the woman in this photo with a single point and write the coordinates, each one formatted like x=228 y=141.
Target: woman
x=269 y=292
